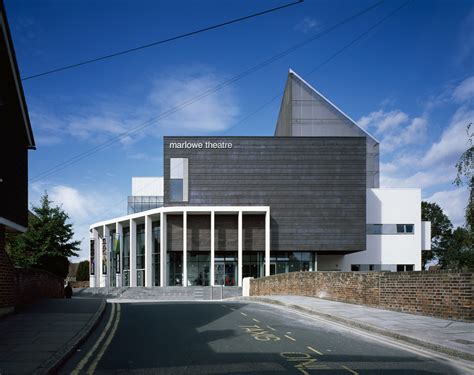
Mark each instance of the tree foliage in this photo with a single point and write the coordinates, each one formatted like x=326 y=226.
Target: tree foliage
x=82 y=273
x=465 y=174
x=441 y=229
x=47 y=243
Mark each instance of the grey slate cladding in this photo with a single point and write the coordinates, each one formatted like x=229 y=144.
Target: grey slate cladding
x=315 y=187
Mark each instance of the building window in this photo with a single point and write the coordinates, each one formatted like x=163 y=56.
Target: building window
x=92 y=249
x=405 y=267
x=355 y=267
x=156 y=253
x=292 y=261
x=126 y=256
x=176 y=190
x=140 y=259
x=178 y=180
x=253 y=264
x=405 y=228
x=390 y=229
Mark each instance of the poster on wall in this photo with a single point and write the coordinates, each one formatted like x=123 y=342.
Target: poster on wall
x=104 y=256
x=92 y=252
x=117 y=252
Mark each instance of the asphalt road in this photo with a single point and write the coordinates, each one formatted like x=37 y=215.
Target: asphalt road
x=235 y=338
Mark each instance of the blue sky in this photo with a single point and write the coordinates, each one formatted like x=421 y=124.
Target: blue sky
x=410 y=83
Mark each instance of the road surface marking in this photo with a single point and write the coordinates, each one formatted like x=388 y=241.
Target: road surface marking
x=259 y=333
x=351 y=371
x=304 y=361
x=289 y=337
x=273 y=329
x=84 y=361
x=232 y=308
x=94 y=364
x=255 y=320
x=244 y=314
x=314 y=350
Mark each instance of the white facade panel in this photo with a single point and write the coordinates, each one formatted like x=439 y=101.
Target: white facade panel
x=147 y=186
x=426 y=235
x=391 y=206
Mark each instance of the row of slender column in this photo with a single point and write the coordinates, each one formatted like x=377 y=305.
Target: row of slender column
x=100 y=278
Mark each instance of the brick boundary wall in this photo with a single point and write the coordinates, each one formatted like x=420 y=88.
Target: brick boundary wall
x=444 y=294
x=33 y=284
x=7 y=275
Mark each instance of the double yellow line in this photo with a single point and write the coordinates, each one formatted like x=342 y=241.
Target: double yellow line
x=106 y=335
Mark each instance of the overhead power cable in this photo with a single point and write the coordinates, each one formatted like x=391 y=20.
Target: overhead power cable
x=268 y=102
x=181 y=36
x=198 y=97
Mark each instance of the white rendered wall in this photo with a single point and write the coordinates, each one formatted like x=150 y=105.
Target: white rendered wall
x=391 y=206
x=147 y=186
x=426 y=235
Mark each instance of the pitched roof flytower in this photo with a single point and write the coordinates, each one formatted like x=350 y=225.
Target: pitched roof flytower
x=305 y=112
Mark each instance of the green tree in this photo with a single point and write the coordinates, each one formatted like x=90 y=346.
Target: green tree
x=82 y=273
x=465 y=174
x=441 y=230
x=459 y=252
x=47 y=243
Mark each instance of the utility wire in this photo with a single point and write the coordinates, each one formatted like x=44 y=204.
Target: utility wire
x=85 y=62
x=198 y=97
x=268 y=102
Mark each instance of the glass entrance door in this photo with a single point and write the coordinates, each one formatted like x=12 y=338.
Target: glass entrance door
x=225 y=269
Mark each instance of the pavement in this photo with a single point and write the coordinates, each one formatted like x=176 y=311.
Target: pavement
x=36 y=339
x=445 y=336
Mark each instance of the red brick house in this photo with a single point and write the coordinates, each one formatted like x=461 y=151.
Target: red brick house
x=16 y=138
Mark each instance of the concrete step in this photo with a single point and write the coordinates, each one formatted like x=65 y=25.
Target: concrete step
x=190 y=293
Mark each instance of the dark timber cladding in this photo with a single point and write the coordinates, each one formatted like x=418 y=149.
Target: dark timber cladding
x=315 y=186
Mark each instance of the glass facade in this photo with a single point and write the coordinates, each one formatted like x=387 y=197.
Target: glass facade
x=175 y=268
x=140 y=203
x=291 y=261
x=126 y=257
x=140 y=255
x=253 y=264
x=113 y=259
x=226 y=268
x=155 y=234
x=176 y=190
x=198 y=267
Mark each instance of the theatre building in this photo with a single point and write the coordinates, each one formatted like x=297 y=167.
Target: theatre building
x=305 y=199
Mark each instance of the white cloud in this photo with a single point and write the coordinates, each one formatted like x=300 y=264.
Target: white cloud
x=307 y=25
x=190 y=104
x=382 y=121
x=215 y=112
x=453 y=141
x=465 y=90
x=453 y=202
x=410 y=134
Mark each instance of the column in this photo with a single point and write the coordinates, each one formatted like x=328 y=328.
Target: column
x=315 y=261
x=239 y=249
x=148 y=252
x=267 y=243
x=118 y=275
x=213 y=255
x=163 y=250
x=93 y=279
x=105 y=277
x=133 y=253
x=185 y=242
